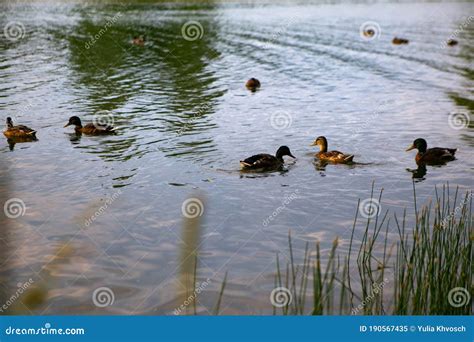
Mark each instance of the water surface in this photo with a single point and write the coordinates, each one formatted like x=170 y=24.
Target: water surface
x=184 y=121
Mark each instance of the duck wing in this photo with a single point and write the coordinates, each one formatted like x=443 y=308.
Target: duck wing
x=442 y=152
x=259 y=161
x=337 y=156
x=24 y=129
x=436 y=155
x=92 y=128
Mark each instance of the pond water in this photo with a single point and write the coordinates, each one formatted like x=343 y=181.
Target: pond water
x=107 y=211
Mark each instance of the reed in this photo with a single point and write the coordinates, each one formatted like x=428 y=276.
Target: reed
x=431 y=260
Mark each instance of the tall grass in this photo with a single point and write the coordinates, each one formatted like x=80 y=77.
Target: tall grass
x=430 y=260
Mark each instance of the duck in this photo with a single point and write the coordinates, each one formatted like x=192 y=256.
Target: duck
x=331 y=156
x=90 y=128
x=431 y=156
x=399 y=41
x=266 y=161
x=138 y=40
x=19 y=131
x=451 y=42
x=369 y=33
x=253 y=84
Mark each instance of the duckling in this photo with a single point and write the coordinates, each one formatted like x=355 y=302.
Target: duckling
x=331 y=156
x=138 y=40
x=451 y=42
x=19 y=131
x=90 y=128
x=399 y=41
x=266 y=161
x=253 y=84
x=431 y=156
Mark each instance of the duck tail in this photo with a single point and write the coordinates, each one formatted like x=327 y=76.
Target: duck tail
x=452 y=150
x=349 y=158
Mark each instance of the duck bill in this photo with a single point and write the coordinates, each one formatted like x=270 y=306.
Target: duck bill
x=411 y=147
x=292 y=156
x=313 y=144
x=66 y=125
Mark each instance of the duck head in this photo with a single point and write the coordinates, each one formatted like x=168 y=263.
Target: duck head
x=9 y=122
x=284 y=151
x=75 y=121
x=322 y=143
x=419 y=144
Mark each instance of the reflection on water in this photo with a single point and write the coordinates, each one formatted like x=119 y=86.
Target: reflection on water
x=184 y=119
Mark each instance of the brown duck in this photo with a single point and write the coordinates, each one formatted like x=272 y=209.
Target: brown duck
x=431 y=156
x=331 y=156
x=253 y=84
x=19 y=131
x=90 y=128
x=265 y=161
x=399 y=41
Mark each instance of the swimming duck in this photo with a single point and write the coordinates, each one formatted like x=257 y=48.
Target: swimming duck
x=138 y=40
x=90 y=128
x=452 y=42
x=253 y=84
x=266 y=161
x=431 y=156
x=399 y=41
x=19 y=131
x=369 y=33
x=331 y=156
